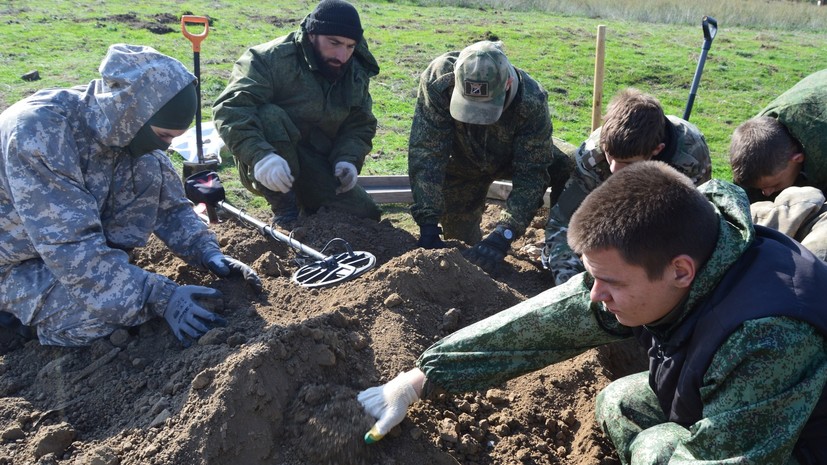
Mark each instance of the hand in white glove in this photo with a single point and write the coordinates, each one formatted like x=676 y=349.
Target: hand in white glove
x=389 y=403
x=346 y=172
x=273 y=172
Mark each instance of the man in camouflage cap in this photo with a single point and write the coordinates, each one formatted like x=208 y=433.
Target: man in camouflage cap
x=83 y=181
x=297 y=116
x=634 y=129
x=478 y=119
x=732 y=316
x=780 y=158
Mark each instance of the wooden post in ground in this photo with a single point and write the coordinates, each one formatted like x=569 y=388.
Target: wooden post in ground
x=597 y=98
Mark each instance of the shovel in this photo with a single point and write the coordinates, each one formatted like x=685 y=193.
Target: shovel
x=202 y=164
x=710 y=27
x=205 y=187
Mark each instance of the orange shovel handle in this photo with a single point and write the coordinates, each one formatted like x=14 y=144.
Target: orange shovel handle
x=195 y=38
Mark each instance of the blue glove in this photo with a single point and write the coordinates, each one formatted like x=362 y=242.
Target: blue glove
x=490 y=252
x=429 y=237
x=187 y=318
x=225 y=266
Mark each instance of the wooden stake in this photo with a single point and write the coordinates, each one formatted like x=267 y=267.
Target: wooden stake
x=597 y=99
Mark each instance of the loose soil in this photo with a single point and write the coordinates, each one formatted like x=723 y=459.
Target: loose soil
x=278 y=385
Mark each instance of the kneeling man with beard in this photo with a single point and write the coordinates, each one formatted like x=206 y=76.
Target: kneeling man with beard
x=297 y=116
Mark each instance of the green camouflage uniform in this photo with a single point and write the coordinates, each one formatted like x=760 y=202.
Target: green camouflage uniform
x=799 y=211
x=278 y=101
x=753 y=412
x=685 y=150
x=451 y=164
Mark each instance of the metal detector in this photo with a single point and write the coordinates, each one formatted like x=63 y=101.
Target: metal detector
x=710 y=27
x=205 y=187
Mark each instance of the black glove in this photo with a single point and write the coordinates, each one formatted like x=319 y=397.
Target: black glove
x=225 y=266
x=429 y=237
x=187 y=318
x=490 y=252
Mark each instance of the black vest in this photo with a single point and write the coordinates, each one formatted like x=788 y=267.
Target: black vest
x=775 y=276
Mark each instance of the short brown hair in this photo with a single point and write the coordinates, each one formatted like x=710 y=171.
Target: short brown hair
x=634 y=125
x=650 y=213
x=760 y=147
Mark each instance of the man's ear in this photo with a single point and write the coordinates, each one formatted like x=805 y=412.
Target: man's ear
x=797 y=157
x=683 y=271
x=658 y=149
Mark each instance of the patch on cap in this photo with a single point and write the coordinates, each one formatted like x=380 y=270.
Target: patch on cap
x=481 y=73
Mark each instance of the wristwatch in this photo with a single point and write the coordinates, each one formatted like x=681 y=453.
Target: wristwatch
x=507 y=233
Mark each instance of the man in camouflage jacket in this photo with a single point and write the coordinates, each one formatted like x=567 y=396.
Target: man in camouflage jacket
x=477 y=119
x=780 y=158
x=84 y=180
x=732 y=316
x=631 y=116
x=297 y=116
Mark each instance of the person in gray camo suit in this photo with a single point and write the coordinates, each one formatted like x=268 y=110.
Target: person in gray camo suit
x=84 y=180
x=732 y=315
x=780 y=158
x=297 y=115
x=478 y=118
x=634 y=129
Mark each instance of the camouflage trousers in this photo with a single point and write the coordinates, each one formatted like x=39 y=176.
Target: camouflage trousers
x=314 y=181
x=798 y=212
x=33 y=294
x=630 y=416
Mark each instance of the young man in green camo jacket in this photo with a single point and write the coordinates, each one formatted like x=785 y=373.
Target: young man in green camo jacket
x=780 y=158
x=732 y=316
x=634 y=129
x=478 y=119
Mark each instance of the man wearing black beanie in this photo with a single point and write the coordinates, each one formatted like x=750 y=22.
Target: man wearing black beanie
x=297 y=116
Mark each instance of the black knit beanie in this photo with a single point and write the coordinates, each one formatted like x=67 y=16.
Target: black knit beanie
x=335 y=18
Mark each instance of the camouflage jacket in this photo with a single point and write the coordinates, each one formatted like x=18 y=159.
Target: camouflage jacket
x=757 y=393
x=685 y=150
x=280 y=81
x=71 y=196
x=803 y=111
x=518 y=146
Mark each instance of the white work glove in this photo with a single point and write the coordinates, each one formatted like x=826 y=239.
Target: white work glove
x=389 y=402
x=273 y=172
x=346 y=172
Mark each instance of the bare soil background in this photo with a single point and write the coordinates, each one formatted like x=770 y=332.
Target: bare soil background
x=278 y=385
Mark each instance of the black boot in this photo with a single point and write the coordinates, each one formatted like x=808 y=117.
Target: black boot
x=13 y=333
x=285 y=208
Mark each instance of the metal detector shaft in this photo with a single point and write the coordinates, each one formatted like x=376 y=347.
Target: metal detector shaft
x=710 y=27
x=264 y=228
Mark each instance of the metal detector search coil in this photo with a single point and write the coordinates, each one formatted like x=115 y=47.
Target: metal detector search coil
x=206 y=188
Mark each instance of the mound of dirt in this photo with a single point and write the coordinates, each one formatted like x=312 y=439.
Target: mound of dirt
x=278 y=385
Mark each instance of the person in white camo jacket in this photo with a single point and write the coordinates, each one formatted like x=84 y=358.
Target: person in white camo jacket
x=84 y=180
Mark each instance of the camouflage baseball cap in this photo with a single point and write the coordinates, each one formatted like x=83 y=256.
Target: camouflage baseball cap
x=480 y=76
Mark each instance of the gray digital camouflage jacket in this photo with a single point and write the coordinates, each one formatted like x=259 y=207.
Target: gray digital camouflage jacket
x=759 y=389
x=73 y=200
x=518 y=144
x=279 y=80
x=685 y=150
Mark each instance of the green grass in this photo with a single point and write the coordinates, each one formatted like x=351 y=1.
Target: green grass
x=651 y=46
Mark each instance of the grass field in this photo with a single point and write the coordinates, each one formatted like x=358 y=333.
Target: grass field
x=651 y=45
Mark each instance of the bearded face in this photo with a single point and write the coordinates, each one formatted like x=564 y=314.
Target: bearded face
x=333 y=54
